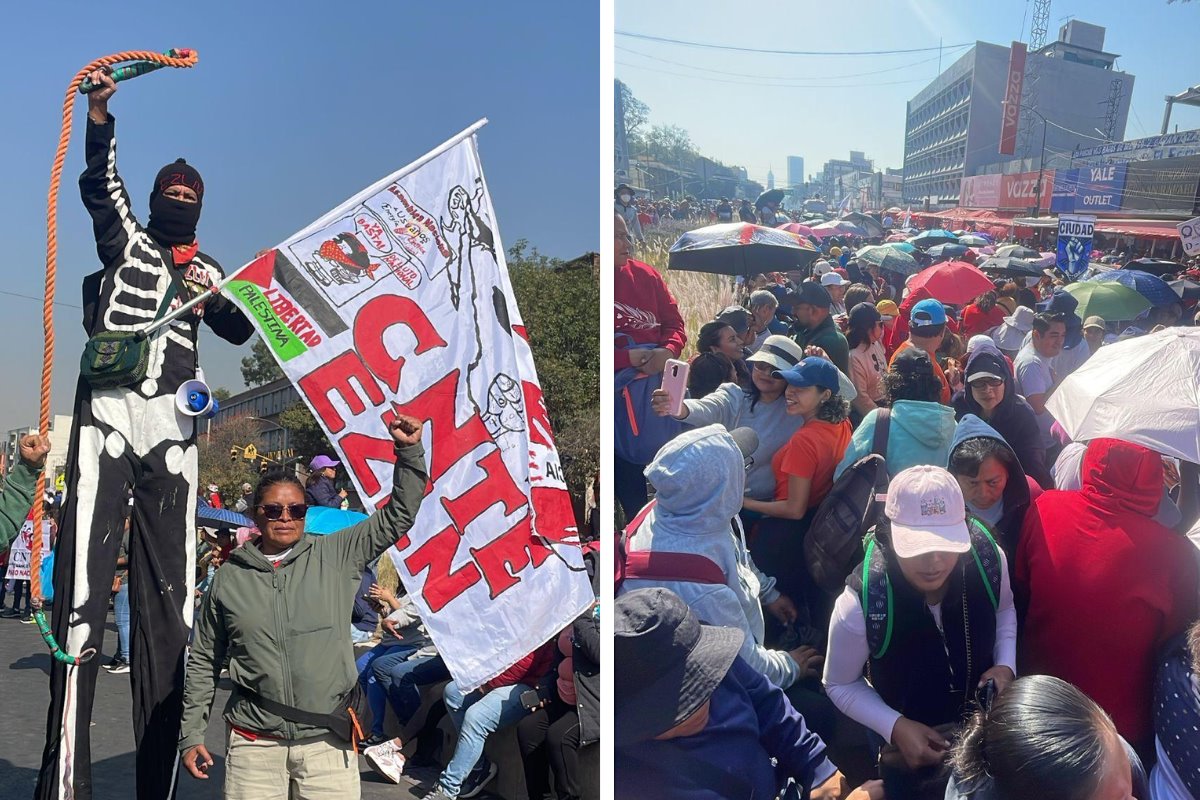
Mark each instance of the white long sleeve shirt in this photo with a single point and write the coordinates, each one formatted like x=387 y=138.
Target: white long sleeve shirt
x=848 y=653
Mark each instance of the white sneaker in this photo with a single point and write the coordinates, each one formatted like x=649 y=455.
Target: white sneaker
x=386 y=759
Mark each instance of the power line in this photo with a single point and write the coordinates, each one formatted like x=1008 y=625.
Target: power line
x=770 y=85
x=711 y=46
x=759 y=75
x=39 y=299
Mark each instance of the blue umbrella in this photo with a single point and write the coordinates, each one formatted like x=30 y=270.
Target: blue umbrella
x=936 y=236
x=1151 y=287
x=321 y=520
x=209 y=517
x=948 y=250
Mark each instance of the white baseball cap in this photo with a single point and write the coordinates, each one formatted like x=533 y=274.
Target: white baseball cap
x=927 y=512
x=822 y=268
x=833 y=279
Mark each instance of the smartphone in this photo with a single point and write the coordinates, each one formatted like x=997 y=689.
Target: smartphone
x=674 y=383
x=986 y=694
x=530 y=699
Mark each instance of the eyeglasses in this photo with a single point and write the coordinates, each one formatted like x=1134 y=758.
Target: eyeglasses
x=991 y=383
x=274 y=511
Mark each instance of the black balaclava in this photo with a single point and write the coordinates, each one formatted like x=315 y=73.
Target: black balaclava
x=173 y=222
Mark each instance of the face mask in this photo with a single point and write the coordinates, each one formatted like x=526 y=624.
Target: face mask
x=625 y=199
x=172 y=221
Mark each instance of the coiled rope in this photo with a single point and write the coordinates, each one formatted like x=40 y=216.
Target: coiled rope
x=149 y=61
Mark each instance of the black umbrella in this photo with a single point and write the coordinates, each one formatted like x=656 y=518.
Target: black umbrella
x=1017 y=251
x=872 y=226
x=739 y=248
x=1155 y=266
x=773 y=197
x=1011 y=266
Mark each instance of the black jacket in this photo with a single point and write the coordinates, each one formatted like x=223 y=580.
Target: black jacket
x=137 y=272
x=1013 y=418
x=585 y=659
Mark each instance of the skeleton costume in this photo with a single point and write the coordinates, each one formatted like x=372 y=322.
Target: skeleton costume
x=124 y=440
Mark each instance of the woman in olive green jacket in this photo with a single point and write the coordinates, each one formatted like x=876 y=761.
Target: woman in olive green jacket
x=279 y=611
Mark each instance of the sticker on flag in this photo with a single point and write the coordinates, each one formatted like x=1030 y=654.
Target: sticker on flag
x=399 y=302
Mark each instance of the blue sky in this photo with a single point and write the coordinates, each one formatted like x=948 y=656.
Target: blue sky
x=294 y=107
x=754 y=110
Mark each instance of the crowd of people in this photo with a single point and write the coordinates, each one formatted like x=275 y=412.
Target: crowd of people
x=865 y=559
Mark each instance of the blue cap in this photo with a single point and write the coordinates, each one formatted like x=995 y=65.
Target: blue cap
x=812 y=371
x=927 y=312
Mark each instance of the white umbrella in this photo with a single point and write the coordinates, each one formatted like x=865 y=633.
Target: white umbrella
x=1143 y=390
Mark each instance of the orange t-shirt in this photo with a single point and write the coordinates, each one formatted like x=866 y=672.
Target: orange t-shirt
x=813 y=452
x=937 y=370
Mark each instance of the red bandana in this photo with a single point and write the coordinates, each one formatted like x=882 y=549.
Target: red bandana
x=184 y=253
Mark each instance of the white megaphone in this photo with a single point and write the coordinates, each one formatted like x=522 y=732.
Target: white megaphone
x=195 y=399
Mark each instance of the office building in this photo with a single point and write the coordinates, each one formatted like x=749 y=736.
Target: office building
x=953 y=125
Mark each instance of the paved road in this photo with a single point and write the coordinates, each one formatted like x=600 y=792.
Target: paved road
x=24 y=671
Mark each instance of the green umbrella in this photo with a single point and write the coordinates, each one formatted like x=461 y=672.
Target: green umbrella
x=1110 y=301
x=889 y=258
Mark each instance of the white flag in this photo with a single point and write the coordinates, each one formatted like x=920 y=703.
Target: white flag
x=399 y=301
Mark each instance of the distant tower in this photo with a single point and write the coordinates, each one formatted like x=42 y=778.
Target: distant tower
x=1115 y=93
x=1029 y=96
x=770 y=180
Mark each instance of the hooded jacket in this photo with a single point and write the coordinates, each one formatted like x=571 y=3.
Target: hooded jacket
x=919 y=433
x=1016 y=492
x=1104 y=585
x=699 y=478
x=16 y=500
x=1013 y=417
x=285 y=629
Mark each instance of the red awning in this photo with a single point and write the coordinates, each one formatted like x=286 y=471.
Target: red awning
x=1141 y=229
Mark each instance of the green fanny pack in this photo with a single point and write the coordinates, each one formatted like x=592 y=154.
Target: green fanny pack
x=119 y=358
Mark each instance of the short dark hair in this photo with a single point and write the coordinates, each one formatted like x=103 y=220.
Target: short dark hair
x=1043 y=320
x=857 y=293
x=912 y=384
x=927 y=331
x=273 y=477
x=710 y=335
x=1041 y=738
x=708 y=371
x=969 y=455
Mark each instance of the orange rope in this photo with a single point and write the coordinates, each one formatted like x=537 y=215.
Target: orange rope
x=51 y=271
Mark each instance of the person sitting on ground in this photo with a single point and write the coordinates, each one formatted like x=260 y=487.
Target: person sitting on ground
x=1103 y=586
x=320 y=489
x=480 y=713
x=927 y=329
x=1176 y=772
x=920 y=427
x=707 y=372
x=868 y=361
x=19 y=485
x=1035 y=376
x=993 y=483
x=991 y=395
x=949 y=619
x=762 y=407
x=815 y=327
x=253 y=623
x=694 y=721
x=1044 y=738
x=550 y=737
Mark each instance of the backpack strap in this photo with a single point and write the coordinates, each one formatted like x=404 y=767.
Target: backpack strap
x=883 y=422
x=986 y=554
x=662 y=566
x=876 y=598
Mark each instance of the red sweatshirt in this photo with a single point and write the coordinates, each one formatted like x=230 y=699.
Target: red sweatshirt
x=1106 y=586
x=529 y=670
x=975 y=321
x=646 y=311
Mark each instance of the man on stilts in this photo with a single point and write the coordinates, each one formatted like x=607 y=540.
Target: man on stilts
x=132 y=439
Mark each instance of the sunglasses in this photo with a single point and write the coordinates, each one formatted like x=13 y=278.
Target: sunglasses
x=274 y=511
x=991 y=383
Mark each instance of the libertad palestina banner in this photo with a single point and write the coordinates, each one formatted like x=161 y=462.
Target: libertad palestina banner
x=398 y=302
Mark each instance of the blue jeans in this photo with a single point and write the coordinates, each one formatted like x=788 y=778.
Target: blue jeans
x=402 y=677
x=121 y=616
x=477 y=716
x=376 y=692
x=358 y=635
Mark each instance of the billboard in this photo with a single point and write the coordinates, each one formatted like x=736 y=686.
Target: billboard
x=1088 y=189
x=1169 y=185
x=980 y=191
x=1011 y=115
x=1150 y=148
x=1019 y=192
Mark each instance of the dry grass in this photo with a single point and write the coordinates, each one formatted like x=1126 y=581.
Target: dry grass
x=699 y=295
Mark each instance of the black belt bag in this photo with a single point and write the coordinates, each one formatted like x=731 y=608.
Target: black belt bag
x=113 y=359
x=350 y=719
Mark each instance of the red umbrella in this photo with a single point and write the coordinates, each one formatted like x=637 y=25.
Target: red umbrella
x=954 y=282
x=797 y=228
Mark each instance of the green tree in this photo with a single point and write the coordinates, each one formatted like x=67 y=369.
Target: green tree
x=215 y=463
x=259 y=367
x=560 y=305
x=670 y=144
x=221 y=393
x=304 y=432
x=637 y=114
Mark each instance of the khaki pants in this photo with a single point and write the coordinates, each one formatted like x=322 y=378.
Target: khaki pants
x=321 y=768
